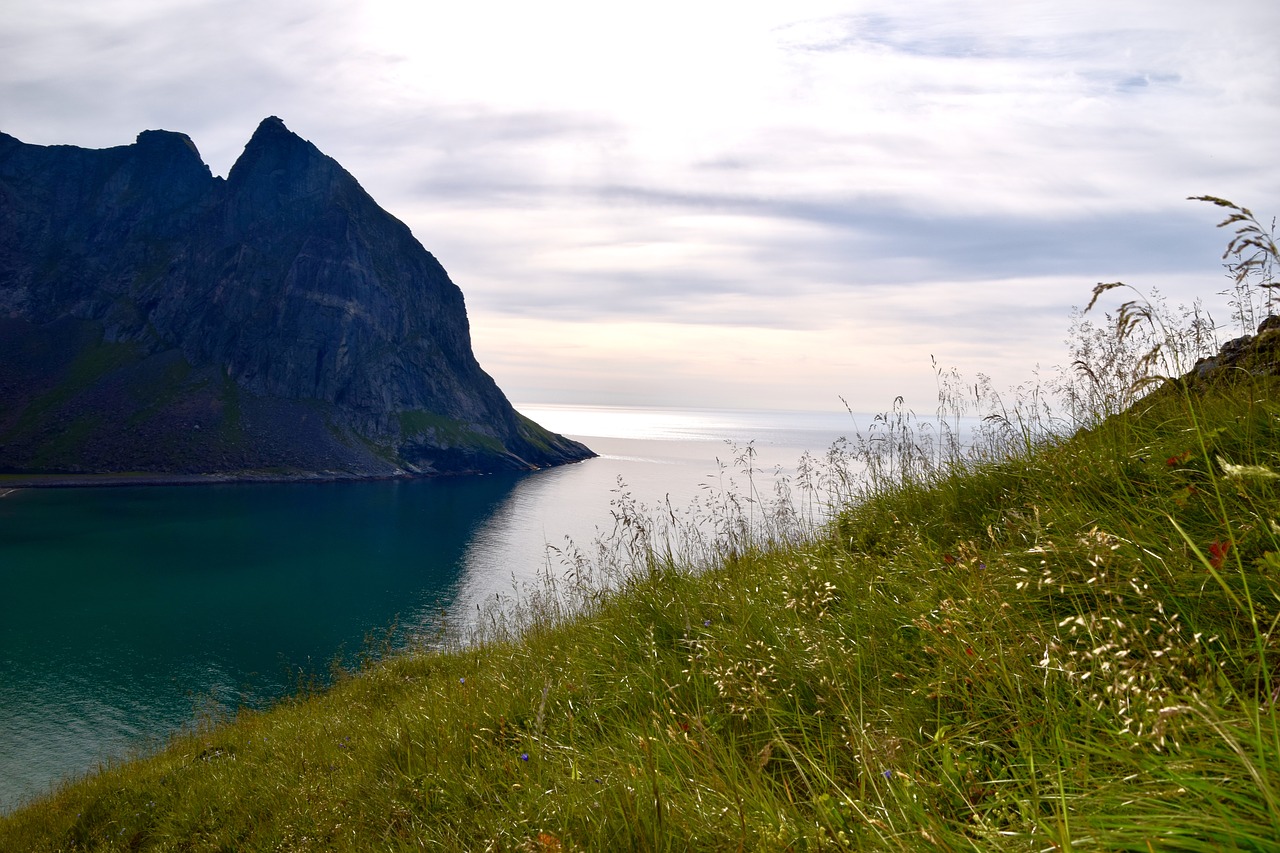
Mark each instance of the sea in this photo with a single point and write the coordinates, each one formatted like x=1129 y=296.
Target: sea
x=130 y=613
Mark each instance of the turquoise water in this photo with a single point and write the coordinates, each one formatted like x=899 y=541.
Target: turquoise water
x=126 y=613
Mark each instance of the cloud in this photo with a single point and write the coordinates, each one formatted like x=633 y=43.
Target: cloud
x=96 y=74
x=670 y=197
x=676 y=258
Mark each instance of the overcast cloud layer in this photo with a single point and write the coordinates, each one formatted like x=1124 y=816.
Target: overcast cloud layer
x=722 y=204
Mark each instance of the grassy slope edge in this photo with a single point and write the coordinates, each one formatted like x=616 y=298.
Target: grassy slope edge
x=1069 y=647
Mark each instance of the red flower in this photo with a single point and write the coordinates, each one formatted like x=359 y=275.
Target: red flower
x=1218 y=553
x=1173 y=461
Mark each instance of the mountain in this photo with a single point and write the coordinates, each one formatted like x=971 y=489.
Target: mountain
x=157 y=319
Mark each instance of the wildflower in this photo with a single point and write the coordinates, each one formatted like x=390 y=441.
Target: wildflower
x=1174 y=461
x=706 y=623
x=888 y=774
x=1218 y=553
x=524 y=756
x=462 y=680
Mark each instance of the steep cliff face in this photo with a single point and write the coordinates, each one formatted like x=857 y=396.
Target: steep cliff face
x=156 y=318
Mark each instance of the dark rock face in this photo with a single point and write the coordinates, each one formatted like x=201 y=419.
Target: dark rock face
x=155 y=318
x=1257 y=355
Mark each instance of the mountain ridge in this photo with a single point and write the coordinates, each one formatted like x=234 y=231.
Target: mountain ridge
x=277 y=320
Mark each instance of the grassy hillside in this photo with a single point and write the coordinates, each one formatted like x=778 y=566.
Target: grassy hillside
x=1034 y=644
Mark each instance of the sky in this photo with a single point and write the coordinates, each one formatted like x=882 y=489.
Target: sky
x=757 y=205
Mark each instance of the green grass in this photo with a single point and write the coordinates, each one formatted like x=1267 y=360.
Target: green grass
x=161 y=391
x=1039 y=643
x=91 y=364
x=231 y=425
x=535 y=434
x=444 y=431
x=68 y=443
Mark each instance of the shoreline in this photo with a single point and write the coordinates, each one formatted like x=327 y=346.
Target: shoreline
x=10 y=483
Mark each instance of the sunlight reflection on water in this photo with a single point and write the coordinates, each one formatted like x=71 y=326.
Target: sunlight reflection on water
x=796 y=430
x=655 y=457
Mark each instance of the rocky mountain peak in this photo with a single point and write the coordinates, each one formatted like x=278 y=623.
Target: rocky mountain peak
x=278 y=171
x=285 y=291
x=161 y=159
x=166 y=142
x=273 y=147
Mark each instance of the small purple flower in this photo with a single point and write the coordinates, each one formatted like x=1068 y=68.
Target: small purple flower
x=888 y=774
x=706 y=623
x=524 y=756
x=462 y=681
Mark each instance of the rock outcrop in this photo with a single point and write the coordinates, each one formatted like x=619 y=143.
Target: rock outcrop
x=155 y=318
x=1256 y=355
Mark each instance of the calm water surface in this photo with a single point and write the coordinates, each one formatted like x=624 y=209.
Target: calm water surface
x=125 y=613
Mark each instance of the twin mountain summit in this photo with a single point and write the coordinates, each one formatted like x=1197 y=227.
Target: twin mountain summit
x=158 y=320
